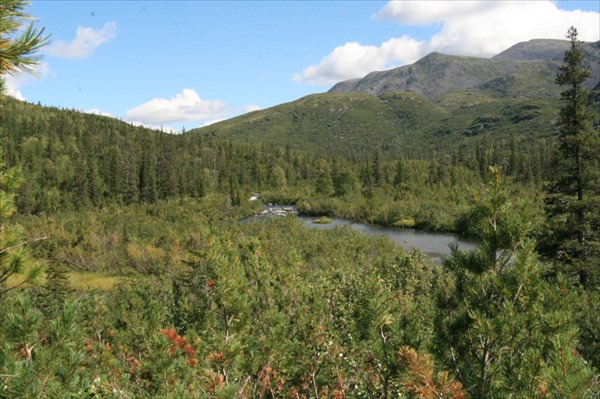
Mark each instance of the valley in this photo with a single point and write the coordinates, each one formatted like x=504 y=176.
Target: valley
x=447 y=243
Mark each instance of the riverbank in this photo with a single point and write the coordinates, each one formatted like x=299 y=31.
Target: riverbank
x=435 y=245
x=274 y=210
x=434 y=210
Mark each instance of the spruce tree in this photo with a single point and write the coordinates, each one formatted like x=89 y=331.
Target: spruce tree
x=378 y=175
x=573 y=194
x=57 y=287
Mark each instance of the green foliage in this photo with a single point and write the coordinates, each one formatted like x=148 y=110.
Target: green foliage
x=146 y=239
x=499 y=323
x=13 y=255
x=41 y=357
x=573 y=200
x=322 y=220
x=588 y=321
x=566 y=374
x=264 y=306
x=17 y=45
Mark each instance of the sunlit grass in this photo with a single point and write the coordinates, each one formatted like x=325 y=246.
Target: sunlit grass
x=78 y=280
x=88 y=280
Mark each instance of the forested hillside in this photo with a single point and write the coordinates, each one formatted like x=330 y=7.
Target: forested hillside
x=76 y=160
x=72 y=160
x=401 y=125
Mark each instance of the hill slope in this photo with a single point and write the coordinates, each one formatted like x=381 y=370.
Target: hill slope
x=73 y=160
x=527 y=69
x=439 y=104
x=399 y=124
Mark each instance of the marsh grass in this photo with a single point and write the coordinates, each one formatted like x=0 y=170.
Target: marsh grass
x=78 y=280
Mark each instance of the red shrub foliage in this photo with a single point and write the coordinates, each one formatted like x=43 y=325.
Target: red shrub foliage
x=179 y=342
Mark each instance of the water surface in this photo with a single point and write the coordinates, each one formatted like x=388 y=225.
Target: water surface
x=434 y=244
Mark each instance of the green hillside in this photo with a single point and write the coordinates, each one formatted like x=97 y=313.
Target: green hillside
x=441 y=103
x=73 y=160
x=400 y=124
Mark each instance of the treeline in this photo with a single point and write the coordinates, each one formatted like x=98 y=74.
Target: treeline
x=73 y=160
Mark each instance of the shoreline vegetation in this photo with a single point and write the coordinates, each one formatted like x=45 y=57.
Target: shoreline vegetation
x=322 y=220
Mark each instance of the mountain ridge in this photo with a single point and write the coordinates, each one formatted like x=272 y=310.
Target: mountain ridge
x=440 y=104
x=535 y=62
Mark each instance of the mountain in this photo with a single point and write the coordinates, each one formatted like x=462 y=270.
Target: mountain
x=525 y=70
x=440 y=104
x=399 y=124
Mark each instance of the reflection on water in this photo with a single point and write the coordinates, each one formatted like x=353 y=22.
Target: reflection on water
x=435 y=245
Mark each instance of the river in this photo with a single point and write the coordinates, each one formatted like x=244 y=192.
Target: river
x=433 y=244
x=436 y=245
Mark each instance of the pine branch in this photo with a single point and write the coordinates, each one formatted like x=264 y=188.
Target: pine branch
x=28 y=279
x=21 y=244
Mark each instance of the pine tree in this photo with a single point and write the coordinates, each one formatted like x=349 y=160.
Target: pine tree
x=324 y=183
x=17 y=46
x=13 y=254
x=278 y=177
x=573 y=201
x=499 y=322
x=378 y=175
x=41 y=357
x=399 y=176
x=16 y=53
x=345 y=181
x=147 y=178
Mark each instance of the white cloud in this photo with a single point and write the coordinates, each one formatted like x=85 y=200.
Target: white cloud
x=96 y=111
x=428 y=12
x=186 y=106
x=495 y=28
x=252 y=108
x=477 y=28
x=353 y=60
x=15 y=81
x=85 y=42
x=12 y=87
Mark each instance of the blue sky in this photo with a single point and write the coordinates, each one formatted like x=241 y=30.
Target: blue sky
x=188 y=63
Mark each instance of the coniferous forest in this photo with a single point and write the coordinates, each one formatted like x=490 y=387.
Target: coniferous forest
x=130 y=265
